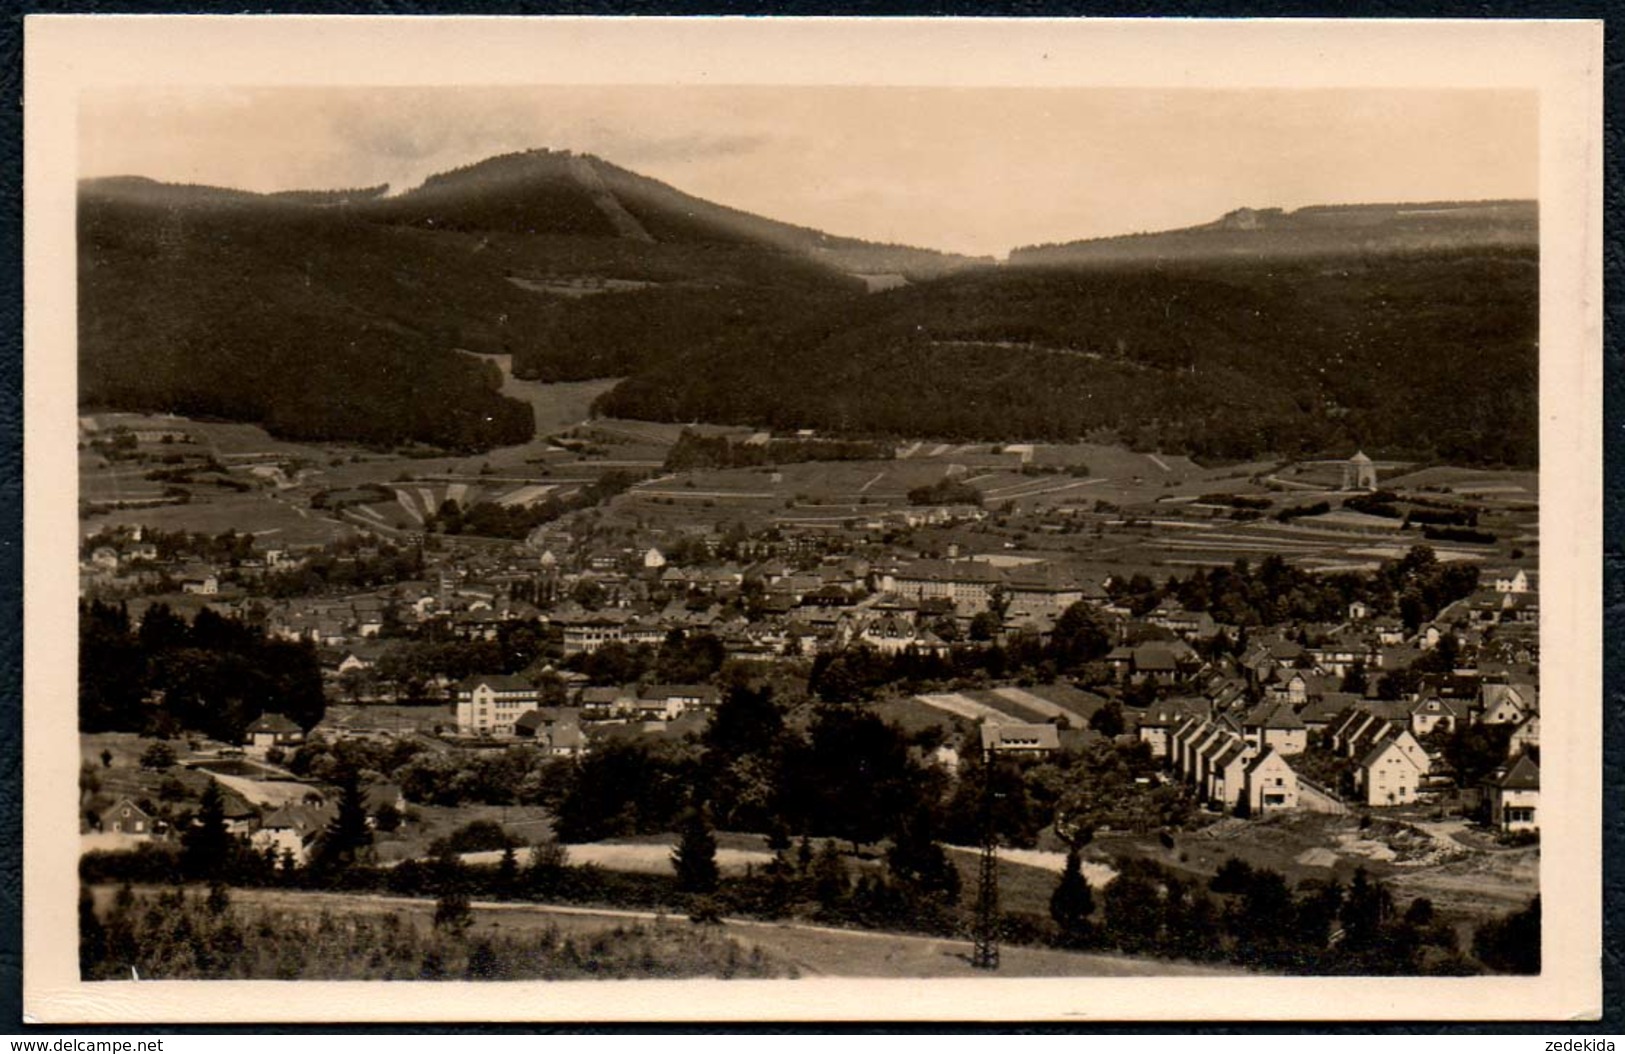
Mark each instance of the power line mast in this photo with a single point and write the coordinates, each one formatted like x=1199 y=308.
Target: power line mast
x=985 y=954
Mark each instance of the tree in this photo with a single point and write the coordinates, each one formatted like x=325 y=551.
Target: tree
x=452 y=912
x=1419 y=912
x=1108 y=720
x=92 y=936
x=548 y=859
x=854 y=757
x=695 y=857
x=746 y=722
x=917 y=859
x=1315 y=912
x=483 y=964
x=829 y=877
x=508 y=873
x=1364 y=911
x=388 y=818
x=1133 y=907
x=1073 y=902
x=348 y=837
x=984 y=626
x=206 y=846
x=1079 y=637
x=158 y=756
x=1511 y=944
x=219 y=899
x=1265 y=904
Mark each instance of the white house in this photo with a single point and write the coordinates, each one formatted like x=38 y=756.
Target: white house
x=1272 y=784
x=1278 y=726
x=1514 y=796
x=1525 y=737
x=1020 y=738
x=1389 y=774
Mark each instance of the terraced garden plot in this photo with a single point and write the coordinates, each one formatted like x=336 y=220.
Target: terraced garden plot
x=266 y=516
x=1045 y=708
x=961 y=705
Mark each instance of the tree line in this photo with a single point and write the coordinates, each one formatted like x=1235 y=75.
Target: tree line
x=214 y=675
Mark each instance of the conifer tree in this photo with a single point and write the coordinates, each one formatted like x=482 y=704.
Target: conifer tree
x=347 y=838
x=695 y=858
x=1073 y=901
x=207 y=844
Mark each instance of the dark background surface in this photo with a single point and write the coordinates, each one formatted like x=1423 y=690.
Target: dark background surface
x=11 y=453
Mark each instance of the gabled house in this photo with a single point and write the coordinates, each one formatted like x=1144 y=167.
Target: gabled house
x=1391 y=772
x=603 y=703
x=1208 y=752
x=272 y=730
x=1227 y=778
x=1321 y=713
x=1032 y=739
x=556 y=731
x=1272 y=785
x=1162 y=719
x=1277 y=726
x=293 y=829
x=891 y=635
x=1514 y=796
x=1525 y=737
x=667 y=702
x=1506 y=704
x=127 y=818
x=207 y=585
x=1516 y=582
x=1428 y=715
x=1290 y=687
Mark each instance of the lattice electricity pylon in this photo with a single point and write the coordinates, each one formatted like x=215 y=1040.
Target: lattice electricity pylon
x=985 y=953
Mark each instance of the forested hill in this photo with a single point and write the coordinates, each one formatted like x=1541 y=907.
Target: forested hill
x=546 y=191
x=1422 y=355
x=336 y=314
x=1317 y=231
x=299 y=317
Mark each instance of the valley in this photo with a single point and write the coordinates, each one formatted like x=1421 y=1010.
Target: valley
x=542 y=554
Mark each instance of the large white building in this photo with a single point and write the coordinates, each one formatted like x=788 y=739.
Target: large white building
x=491 y=704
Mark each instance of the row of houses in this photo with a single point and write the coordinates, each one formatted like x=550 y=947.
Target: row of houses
x=1233 y=767
x=503 y=706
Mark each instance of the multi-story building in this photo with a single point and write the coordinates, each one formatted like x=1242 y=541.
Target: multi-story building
x=490 y=704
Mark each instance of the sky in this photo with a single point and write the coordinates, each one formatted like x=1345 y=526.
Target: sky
x=974 y=170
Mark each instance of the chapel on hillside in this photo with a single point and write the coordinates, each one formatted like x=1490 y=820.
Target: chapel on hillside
x=1359 y=473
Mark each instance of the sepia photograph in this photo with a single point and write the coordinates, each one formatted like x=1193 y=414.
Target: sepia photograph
x=535 y=521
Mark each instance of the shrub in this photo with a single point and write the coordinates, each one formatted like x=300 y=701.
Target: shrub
x=477 y=836
x=158 y=756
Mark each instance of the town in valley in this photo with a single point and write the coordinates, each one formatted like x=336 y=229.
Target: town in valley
x=543 y=574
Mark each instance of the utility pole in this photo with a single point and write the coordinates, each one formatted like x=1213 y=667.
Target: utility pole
x=985 y=954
